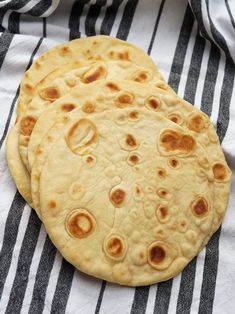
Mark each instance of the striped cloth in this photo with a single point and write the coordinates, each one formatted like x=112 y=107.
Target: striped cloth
x=34 y=278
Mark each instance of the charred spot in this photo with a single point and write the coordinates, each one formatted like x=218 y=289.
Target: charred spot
x=219 y=171
x=162 y=193
x=26 y=125
x=113 y=86
x=80 y=225
x=130 y=140
x=114 y=246
x=118 y=197
x=89 y=159
x=134 y=115
x=161 y=172
x=134 y=159
x=172 y=140
x=94 y=76
x=173 y=162
x=50 y=93
x=196 y=123
x=200 y=206
x=157 y=254
x=68 y=107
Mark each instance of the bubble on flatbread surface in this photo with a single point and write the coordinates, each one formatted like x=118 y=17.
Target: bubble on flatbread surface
x=153 y=103
x=88 y=107
x=68 y=107
x=176 y=118
x=80 y=223
x=174 y=163
x=163 y=213
x=115 y=247
x=160 y=255
x=124 y=99
x=81 y=136
x=141 y=76
x=50 y=93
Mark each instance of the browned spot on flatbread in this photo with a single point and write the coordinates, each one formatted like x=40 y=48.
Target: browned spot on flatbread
x=80 y=224
x=141 y=76
x=196 y=122
x=173 y=162
x=94 y=74
x=52 y=204
x=28 y=86
x=161 y=172
x=50 y=93
x=134 y=115
x=157 y=254
x=199 y=206
x=114 y=87
x=88 y=107
x=153 y=103
x=64 y=50
x=114 y=246
x=162 y=193
x=68 y=107
x=130 y=140
x=176 y=118
x=220 y=172
x=124 y=99
x=27 y=125
x=173 y=140
x=117 y=196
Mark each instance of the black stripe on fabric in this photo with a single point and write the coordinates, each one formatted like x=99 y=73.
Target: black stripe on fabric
x=110 y=15
x=187 y=281
x=230 y=13
x=63 y=287
x=92 y=17
x=5 y=41
x=210 y=80
x=16 y=95
x=23 y=266
x=101 y=294
x=156 y=26
x=14 y=23
x=42 y=277
x=2 y=14
x=225 y=100
x=9 y=238
x=127 y=18
x=181 y=48
x=15 y=5
x=194 y=69
x=197 y=11
x=74 y=20
x=44 y=26
x=209 y=275
x=140 y=300
x=40 y=8
x=218 y=37
x=163 y=296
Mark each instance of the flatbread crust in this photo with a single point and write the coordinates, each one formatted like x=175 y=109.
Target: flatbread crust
x=122 y=198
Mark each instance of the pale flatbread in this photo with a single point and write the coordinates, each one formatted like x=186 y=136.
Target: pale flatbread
x=62 y=80
x=99 y=97
x=122 y=197
x=16 y=166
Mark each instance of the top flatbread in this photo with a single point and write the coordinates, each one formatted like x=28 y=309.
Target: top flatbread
x=104 y=95
x=123 y=200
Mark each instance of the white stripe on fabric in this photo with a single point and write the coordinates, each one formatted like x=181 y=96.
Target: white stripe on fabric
x=26 y=28
x=28 y=6
x=144 y=30
x=187 y=60
x=217 y=94
x=163 y=50
x=100 y=19
x=14 y=262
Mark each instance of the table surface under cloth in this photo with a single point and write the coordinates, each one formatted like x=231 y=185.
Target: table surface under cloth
x=193 y=46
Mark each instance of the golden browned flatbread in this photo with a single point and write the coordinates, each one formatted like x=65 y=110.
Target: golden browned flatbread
x=122 y=196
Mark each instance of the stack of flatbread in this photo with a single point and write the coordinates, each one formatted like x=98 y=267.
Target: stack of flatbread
x=128 y=178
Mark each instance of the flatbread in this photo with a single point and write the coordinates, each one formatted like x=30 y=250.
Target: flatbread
x=91 y=48
x=61 y=81
x=99 y=97
x=16 y=166
x=122 y=197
